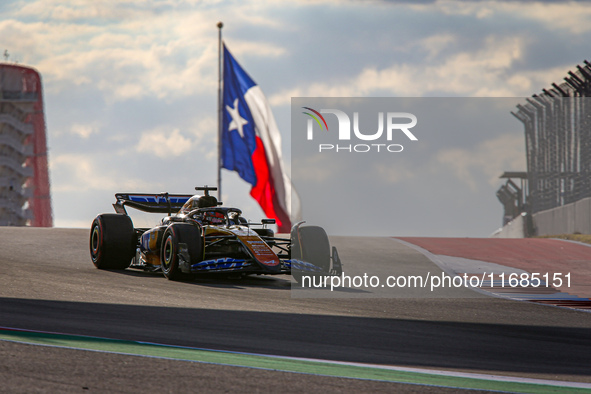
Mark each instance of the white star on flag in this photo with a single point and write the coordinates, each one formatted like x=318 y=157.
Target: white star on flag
x=237 y=120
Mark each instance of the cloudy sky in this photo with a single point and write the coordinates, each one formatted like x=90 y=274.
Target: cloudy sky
x=131 y=87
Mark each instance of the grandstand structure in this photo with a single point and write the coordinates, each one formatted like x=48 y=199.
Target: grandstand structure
x=557 y=124
x=24 y=177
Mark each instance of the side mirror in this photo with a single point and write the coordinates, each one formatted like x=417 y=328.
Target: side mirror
x=268 y=221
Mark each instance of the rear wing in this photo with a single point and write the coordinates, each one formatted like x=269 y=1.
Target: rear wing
x=153 y=203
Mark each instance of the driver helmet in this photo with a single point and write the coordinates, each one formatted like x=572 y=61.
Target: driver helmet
x=213 y=217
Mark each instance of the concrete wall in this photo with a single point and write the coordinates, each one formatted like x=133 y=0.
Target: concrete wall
x=514 y=229
x=568 y=219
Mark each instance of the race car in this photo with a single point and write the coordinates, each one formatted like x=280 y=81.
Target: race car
x=199 y=236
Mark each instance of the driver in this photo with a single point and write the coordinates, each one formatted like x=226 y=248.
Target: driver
x=198 y=202
x=213 y=218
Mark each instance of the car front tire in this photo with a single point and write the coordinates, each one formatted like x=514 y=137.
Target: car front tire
x=174 y=235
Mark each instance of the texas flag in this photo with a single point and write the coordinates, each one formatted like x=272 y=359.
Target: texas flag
x=251 y=143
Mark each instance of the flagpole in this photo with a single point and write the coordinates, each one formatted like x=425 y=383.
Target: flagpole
x=220 y=25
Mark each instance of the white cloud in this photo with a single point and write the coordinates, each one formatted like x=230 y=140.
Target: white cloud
x=489 y=159
x=240 y=47
x=135 y=58
x=572 y=16
x=123 y=73
x=84 y=130
x=484 y=73
x=205 y=134
x=74 y=172
x=164 y=143
x=395 y=173
x=315 y=169
x=434 y=45
x=488 y=72
x=128 y=49
x=73 y=10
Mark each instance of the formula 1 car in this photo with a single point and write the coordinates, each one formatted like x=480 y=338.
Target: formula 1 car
x=202 y=237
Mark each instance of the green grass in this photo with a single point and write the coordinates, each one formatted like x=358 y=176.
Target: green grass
x=585 y=238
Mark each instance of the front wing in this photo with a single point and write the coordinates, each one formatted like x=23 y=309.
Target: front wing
x=239 y=265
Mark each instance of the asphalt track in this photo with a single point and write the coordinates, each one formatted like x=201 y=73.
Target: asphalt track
x=48 y=284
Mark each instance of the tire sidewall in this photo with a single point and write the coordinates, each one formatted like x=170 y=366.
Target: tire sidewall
x=112 y=241
x=168 y=254
x=175 y=234
x=96 y=242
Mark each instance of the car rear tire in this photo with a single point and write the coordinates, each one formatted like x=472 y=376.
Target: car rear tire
x=175 y=234
x=112 y=241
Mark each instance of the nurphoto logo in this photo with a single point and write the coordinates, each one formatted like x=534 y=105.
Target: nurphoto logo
x=396 y=122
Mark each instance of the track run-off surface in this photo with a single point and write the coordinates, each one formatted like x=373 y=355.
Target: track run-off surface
x=59 y=303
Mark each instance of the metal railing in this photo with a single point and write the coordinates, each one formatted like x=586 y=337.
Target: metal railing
x=557 y=126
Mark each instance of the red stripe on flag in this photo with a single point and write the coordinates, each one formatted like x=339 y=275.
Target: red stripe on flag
x=264 y=190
